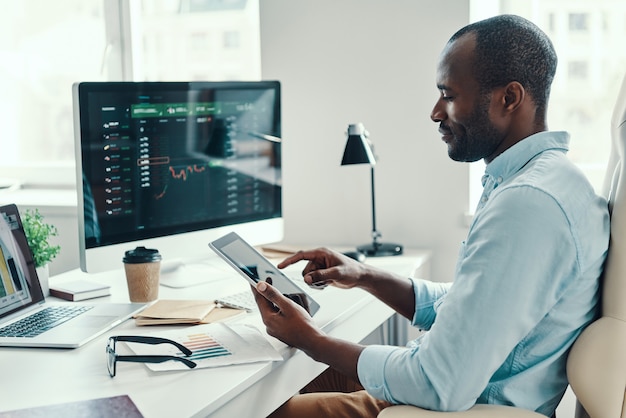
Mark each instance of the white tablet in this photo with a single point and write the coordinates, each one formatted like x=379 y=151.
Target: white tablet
x=254 y=267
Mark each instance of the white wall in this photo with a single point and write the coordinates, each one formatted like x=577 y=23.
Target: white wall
x=370 y=61
x=345 y=61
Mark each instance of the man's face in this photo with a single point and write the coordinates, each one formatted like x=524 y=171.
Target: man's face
x=463 y=113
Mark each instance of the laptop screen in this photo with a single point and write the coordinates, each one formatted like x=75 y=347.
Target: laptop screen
x=19 y=285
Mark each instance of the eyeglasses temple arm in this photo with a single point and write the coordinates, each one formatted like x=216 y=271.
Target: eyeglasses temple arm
x=156 y=359
x=151 y=340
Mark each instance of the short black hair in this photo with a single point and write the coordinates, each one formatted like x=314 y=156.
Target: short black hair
x=511 y=48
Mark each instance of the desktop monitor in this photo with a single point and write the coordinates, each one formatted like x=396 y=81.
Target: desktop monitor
x=174 y=166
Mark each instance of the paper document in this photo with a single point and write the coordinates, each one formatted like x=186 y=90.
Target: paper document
x=212 y=345
x=167 y=311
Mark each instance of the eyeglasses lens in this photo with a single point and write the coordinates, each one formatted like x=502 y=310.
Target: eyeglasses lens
x=111 y=357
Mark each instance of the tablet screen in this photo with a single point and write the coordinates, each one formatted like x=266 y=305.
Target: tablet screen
x=255 y=267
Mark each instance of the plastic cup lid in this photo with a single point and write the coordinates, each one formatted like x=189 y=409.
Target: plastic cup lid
x=141 y=255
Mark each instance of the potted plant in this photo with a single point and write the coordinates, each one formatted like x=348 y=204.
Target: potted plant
x=38 y=233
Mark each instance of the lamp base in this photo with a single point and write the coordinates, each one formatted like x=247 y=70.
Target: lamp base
x=380 y=249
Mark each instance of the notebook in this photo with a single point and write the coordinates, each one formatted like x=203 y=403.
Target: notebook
x=22 y=299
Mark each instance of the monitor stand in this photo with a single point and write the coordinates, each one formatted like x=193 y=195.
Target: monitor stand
x=180 y=273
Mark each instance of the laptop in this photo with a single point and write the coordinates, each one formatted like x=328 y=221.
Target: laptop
x=22 y=300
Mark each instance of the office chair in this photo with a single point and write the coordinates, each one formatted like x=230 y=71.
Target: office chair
x=596 y=365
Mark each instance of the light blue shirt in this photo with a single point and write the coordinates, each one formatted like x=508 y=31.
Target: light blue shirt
x=526 y=284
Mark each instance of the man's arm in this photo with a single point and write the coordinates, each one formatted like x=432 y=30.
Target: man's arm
x=338 y=270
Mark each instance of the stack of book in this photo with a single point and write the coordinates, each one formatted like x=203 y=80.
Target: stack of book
x=80 y=290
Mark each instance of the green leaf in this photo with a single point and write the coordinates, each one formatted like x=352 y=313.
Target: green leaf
x=37 y=234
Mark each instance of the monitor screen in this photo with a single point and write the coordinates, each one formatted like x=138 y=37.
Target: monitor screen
x=174 y=165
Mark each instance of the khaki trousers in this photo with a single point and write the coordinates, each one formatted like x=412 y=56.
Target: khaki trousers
x=331 y=394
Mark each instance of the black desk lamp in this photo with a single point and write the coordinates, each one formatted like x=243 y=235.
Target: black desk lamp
x=359 y=151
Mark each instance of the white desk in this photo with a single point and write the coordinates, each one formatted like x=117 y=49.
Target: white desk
x=34 y=377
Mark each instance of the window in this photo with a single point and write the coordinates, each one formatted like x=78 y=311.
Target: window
x=46 y=46
x=206 y=40
x=578 y=70
x=606 y=18
x=199 y=41
x=578 y=22
x=588 y=76
x=231 y=39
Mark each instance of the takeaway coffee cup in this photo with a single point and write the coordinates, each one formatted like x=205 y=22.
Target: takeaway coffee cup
x=142 y=266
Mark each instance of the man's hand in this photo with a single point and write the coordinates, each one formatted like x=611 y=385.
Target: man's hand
x=285 y=319
x=329 y=267
x=290 y=323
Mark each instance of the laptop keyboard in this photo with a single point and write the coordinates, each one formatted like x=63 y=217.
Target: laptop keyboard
x=42 y=321
x=239 y=300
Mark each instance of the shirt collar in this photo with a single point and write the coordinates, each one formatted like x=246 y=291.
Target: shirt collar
x=516 y=157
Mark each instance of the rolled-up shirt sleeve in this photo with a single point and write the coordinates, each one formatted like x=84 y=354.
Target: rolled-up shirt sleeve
x=427 y=296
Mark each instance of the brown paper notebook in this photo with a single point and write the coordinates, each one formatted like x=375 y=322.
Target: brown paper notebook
x=172 y=311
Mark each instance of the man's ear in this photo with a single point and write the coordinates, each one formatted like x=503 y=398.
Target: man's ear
x=513 y=96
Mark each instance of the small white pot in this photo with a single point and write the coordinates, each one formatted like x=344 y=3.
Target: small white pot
x=43 y=273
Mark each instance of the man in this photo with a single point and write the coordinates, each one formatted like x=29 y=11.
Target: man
x=526 y=282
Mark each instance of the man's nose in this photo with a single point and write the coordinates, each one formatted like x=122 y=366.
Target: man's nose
x=438 y=114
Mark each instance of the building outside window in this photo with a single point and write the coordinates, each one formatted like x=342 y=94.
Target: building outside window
x=578 y=70
x=578 y=21
x=588 y=37
x=46 y=46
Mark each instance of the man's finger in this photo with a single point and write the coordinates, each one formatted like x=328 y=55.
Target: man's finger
x=315 y=276
x=261 y=300
x=299 y=256
x=270 y=293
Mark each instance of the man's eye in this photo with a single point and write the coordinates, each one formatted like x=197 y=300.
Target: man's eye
x=447 y=98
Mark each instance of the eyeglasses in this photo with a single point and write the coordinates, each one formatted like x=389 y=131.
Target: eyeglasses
x=113 y=357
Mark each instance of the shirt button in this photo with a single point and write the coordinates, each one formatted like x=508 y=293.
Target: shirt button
x=499 y=180
x=484 y=199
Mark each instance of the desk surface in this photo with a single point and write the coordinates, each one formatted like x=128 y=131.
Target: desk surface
x=35 y=377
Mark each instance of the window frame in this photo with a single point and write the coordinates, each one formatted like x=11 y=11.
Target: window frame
x=121 y=60
x=592 y=169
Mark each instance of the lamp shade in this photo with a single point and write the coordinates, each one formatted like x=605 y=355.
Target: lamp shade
x=358 y=149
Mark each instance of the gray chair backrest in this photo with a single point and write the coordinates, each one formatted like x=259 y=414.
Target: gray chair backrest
x=596 y=366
